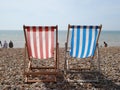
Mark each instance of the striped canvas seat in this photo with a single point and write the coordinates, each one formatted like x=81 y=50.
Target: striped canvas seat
x=40 y=46
x=83 y=41
x=40 y=42
x=79 y=57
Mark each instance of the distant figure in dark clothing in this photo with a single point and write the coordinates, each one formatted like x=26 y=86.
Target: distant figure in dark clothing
x=1 y=43
x=5 y=45
x=10 y=44
x=105 y=44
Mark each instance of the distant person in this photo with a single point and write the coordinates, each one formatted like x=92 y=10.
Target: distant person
x=105 y=44
x=10 y=44
x=5 y=45
x=0 y=43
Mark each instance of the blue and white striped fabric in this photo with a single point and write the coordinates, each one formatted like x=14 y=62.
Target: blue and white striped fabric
x=83 y=41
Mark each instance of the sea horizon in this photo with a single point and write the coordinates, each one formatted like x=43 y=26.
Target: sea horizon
x=111 y=37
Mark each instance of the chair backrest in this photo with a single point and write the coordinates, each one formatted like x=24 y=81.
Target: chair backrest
x=84 y=40
x=40 y=41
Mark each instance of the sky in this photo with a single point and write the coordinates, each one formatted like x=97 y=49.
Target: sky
x=16 y=13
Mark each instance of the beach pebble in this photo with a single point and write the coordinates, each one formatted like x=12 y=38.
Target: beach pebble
x=13 y=60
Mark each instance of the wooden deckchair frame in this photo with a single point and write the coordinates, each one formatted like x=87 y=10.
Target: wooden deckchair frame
x=56 y=59
x=66 y=65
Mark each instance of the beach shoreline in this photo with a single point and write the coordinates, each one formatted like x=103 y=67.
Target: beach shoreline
x=12 y=76
x=17 y=37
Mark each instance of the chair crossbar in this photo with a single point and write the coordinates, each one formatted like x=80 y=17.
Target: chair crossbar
x=31 y=81
x=82 y=81
x=43 y=67
x=40 y=73
x=82 y=71
x=79 y=69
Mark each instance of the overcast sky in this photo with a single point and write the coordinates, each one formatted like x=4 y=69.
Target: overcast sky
x=15 y=13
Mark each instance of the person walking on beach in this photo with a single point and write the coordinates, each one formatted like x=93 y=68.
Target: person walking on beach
x=0 y=43
x=105 y=44
x=10 y=44
x=5 y=45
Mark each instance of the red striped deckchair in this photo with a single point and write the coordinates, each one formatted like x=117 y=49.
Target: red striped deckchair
x=40 y=46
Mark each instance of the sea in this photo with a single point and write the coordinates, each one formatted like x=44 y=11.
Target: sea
x=112 y=38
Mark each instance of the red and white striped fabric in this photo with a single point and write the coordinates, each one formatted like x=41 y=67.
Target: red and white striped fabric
x=40 y=42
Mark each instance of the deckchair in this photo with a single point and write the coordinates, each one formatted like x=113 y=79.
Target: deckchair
x=83 y=49
x=41 y=45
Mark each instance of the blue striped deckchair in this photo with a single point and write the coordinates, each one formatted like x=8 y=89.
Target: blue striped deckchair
x=84 y=41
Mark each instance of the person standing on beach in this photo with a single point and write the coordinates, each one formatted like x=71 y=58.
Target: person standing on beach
x=105 y=44
x=1 y=43
x=5 y=45
x=10 y=44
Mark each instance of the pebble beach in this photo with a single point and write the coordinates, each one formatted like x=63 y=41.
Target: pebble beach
x=12 y=64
